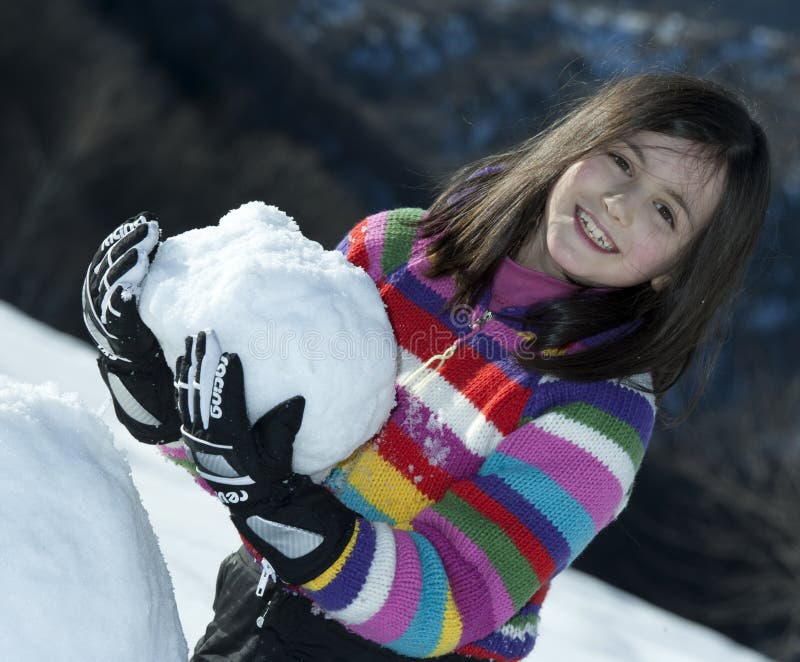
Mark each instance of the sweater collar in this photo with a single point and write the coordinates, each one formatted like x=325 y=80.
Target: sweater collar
x=518 y=287
x=515 y=288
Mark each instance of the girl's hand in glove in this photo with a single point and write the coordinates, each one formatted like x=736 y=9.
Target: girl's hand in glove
x=298 y=526
x=112 y=283
x=132 y=364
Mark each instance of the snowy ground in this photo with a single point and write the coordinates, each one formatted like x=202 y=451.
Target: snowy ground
x=582 y=620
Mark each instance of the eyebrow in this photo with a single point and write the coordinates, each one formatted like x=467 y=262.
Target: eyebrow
x=671 y=192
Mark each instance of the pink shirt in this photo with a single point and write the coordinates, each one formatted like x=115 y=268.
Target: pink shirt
x=515 y=285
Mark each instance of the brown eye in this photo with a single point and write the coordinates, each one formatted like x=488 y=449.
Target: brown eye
x=621 y=163
x=665 y=213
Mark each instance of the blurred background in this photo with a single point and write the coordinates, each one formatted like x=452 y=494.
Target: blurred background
x=333 y=109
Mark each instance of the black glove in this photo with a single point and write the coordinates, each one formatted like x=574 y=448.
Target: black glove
x=132 y=364
x=112 y=282
x=298 y=526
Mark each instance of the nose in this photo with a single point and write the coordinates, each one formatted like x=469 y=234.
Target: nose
x=618 y=207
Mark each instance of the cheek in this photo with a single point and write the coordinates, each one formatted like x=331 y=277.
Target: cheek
x=652 y=250
x=591 y=170
x=576 y=176
x=558 y=193
x=582 y=176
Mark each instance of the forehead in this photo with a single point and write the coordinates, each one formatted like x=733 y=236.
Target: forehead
x=682 y=166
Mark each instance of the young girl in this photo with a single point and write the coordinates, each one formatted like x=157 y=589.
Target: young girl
x=542 y=304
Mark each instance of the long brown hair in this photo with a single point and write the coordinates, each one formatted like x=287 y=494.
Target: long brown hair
x=488 y=208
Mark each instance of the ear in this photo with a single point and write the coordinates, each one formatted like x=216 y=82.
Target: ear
x=660 y=282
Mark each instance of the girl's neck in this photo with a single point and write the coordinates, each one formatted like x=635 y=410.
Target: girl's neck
x=533 y=254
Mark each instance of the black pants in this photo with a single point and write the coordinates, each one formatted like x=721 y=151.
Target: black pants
x=291 y=632
x=232 y=635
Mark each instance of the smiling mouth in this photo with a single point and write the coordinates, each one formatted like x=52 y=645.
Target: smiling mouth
x=593 y=232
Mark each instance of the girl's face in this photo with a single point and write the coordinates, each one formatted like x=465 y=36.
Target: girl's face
x=621 y=217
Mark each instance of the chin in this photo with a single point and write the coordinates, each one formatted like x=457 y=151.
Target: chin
x=573 y=273
x=582 y=281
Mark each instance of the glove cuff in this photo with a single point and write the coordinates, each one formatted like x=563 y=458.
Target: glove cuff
x=143 y=398
x=301 y=538
x=149 y=361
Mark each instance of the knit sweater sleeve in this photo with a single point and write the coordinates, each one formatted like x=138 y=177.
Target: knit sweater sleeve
x=382 y=242
x=462 y=567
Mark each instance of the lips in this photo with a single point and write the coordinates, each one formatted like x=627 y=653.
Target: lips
x=593 y=232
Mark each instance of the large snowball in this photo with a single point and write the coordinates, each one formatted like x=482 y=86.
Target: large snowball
x=302 y=319
x=82 y=575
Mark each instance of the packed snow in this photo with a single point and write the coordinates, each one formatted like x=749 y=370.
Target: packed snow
x=82 y=575
x=583 y=619
x=303 y=320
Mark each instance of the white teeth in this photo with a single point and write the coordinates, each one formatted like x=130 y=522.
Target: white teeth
x=594 y=232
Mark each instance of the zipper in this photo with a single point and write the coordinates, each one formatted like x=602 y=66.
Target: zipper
x=277 y=596
x=267 y=573
x=440 y=359
x=480 y=322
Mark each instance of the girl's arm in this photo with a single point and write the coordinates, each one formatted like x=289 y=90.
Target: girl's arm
x=466 y=564
x=382 y=242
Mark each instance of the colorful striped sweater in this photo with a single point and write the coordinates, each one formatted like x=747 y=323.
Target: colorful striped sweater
x=485 y=482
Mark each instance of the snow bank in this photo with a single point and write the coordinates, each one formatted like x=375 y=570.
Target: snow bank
x=302 y=319
x=82 y=575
